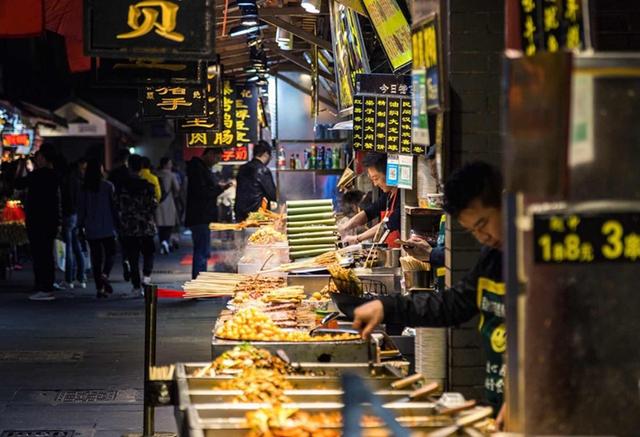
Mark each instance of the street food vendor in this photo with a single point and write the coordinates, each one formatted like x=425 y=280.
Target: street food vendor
x=386 y=208
x=473 y=197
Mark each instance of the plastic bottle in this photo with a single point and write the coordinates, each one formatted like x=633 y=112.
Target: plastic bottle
x=336 y=158
x=298 y=162
x=292 y=162
x=312 y=157
x=282 y=160
x=306 y=159
x=320 y=158
x=328 y=158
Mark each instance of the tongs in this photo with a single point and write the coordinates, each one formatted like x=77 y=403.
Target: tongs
x=323 y=323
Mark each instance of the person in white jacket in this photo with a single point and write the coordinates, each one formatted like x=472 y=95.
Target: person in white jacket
x=166 y=214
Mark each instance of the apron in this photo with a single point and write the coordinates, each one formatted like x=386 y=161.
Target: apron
x=384 y=217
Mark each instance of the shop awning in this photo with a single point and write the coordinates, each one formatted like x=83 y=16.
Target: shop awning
x=84 y=120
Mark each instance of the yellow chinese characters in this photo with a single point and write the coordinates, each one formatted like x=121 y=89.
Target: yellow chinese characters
x=158 y=14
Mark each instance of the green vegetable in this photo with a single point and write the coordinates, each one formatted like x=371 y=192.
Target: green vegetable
x=331 y=221
x=306 y=217
x=311 y=252
x=310 y=202
x=306 y=240
x=309 y=209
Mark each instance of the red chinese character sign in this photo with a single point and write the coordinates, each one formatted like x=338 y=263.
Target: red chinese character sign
x=167 y=29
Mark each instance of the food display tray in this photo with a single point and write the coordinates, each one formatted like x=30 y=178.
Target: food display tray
x=352 y=351
x=228 y=420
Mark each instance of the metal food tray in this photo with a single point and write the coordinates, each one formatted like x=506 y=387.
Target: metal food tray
x=228 y=420
x=378 y=377
x=353 y=351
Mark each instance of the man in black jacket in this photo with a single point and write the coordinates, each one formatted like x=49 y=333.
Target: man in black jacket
x=118 y=176
x=203 y=190
x=254 y=182
x=42 y=210
x=473 y=197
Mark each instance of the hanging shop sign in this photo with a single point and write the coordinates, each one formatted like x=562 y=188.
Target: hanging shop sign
x=587 y=238
x=382 y=114
x=552 y=25
x=392 y=29
x=427 y=63
x=173 y=101
x=139 y=72
x=239 y=119
x=21 y=143
x=235 y=155
x=349 y=53
x=176 y=29
x=212 y=120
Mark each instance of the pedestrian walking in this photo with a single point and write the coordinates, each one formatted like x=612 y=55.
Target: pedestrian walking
x=97 y=215
x=136 y=207
x=166 y=214
x=74 y=266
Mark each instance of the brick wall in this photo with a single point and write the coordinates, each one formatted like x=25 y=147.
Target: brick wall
x=475 y=45
x=617 y=25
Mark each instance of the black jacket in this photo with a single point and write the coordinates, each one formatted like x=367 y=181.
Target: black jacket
x=203 y=190
x=118 y=177
x=69 y=192
x=480 y=291
x=42 y=204
x=254 y=181
x=136 y=207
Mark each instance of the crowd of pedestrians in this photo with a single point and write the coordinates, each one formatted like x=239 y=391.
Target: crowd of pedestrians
x=93 y=211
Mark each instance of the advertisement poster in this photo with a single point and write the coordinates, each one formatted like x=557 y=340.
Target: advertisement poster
x=393 y=31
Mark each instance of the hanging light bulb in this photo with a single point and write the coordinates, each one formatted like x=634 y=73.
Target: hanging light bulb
x=311 y=6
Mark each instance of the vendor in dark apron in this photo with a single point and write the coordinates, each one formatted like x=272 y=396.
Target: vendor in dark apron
x=386 y=208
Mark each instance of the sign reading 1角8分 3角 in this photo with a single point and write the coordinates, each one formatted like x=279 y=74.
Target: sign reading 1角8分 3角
x=161 y=29
x=585 y=238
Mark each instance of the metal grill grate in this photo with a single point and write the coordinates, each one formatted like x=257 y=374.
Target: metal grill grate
x=86 y=396
x=38 y=433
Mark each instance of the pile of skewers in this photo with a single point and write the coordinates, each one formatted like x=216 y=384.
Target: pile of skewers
x=213 y=284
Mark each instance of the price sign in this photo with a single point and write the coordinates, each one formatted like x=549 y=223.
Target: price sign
x=587 y=238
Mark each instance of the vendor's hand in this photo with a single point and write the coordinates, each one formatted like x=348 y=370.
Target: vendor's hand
x=350 y=239
x=419 y=248
x=366 y=317
x=342 y=229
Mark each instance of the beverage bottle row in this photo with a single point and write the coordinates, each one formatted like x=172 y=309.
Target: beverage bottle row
x=313 y=158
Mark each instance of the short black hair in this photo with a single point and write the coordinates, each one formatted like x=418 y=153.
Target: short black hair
x=475 y=180
x=146 y=162
x=48 y=152
x=135 y=163
x=375 y=160
x=260 y=148
x=353 y=197
x=164 y=161
x=123 y=155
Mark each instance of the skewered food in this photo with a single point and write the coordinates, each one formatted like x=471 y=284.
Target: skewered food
x=410 y=263
x=267 y=235
x=210 y=284
x=346 y=281
x=251 y=324
x=291 y=294
x=259 y=385
x=291 y=422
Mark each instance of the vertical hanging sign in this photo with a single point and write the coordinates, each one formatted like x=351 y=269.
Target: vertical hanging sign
x=358 y=116
x=211 y=121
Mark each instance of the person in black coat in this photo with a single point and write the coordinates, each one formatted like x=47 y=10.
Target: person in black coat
x=203 y=189
x=43 y=217
x=255 y=182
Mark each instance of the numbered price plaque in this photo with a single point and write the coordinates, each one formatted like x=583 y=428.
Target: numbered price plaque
x=587 y=238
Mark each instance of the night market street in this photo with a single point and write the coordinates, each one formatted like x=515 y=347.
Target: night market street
x=77 y=343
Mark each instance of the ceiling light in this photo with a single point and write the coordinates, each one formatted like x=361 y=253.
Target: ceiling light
x=311 y=6
x=243 y=30
x=244 y=3
x=262 y=82
x=249 y=20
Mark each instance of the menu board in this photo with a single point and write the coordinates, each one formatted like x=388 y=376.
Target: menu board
x=239 y=119
x=349 y=53
x=382 y=114
x=235 y=154
x=426 y=65
x=392 y=29
x=173 y=101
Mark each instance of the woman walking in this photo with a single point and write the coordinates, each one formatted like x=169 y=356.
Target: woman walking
x=97 y=214
x=166 y=214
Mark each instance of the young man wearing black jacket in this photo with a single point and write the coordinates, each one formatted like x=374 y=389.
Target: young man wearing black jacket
x=473 y=197
x=255 y=182
x=43 y=213
x=203 y=189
